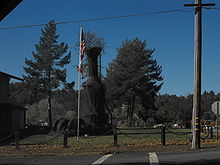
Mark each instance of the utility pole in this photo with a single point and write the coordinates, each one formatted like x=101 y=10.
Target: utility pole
x=196 y=124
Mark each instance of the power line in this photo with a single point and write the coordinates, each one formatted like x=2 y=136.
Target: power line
x=215 y=8
x=100 y=19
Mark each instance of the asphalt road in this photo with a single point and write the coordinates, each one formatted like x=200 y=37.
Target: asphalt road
x=192 y=158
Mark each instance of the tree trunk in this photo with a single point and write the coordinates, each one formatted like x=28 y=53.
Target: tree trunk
x=100 y=67
x=49 y=111
x=49 y=102
x=132 y=111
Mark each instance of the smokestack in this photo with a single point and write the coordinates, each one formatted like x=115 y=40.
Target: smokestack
x=93 y=54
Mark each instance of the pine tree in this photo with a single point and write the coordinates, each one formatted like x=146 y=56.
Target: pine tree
x=133 y=77
x=45 y=72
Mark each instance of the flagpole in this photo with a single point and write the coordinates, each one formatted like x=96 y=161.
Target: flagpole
x=79 y=83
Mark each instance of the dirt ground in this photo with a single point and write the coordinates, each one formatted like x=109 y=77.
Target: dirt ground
x=46 y=150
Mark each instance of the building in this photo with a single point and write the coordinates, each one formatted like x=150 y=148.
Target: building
x=7 y=6
x=12 y=117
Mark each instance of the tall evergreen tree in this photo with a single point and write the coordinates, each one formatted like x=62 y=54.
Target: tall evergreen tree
x=45 y=72
x=134 y=74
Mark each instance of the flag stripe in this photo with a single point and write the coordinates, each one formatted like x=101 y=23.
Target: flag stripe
x=82 y=48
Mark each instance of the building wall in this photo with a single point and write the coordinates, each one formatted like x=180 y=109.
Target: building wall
x=5 y=121
x=18 y=120
x=4 y=89
x=11 y=120
x=12 y=117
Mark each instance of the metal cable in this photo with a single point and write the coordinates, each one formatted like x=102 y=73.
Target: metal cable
x=135 y=137
x=30 y=142
x=215 y=8
x=103 y=18
x=178 y=133
x=93 y=137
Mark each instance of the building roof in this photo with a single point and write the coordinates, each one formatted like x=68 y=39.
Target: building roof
x=9 y=106
x=10 y=76
x=6 y=6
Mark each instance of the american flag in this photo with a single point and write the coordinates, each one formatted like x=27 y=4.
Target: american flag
x=81 y=51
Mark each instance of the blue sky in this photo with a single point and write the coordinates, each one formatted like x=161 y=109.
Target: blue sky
x=171 y=34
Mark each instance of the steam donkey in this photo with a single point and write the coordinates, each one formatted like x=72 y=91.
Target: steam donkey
x=95 y=117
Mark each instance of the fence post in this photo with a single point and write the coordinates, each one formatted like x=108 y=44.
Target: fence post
x=163 y=135
x=65 y=138
x=16 y=139
x=115 y=133
x=211 y=132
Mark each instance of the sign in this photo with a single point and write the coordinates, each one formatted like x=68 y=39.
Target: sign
x=216 y=107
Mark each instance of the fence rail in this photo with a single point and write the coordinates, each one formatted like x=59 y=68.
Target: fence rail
x=161 y=135
x=139 y=133
x=137 y=128
x=163 y=131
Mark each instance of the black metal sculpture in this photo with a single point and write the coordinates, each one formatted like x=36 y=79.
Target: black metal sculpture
x=95 y=93
x=94 y=119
